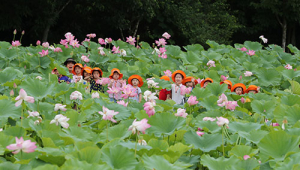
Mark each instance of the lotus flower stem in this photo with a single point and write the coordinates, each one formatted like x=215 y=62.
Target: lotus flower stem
x=107 y=130
x=136 y=141
x=223 y=140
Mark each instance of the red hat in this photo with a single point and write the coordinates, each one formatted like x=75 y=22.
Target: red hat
x=228 y=82
x=178 y=72
x=165 y=78
x=115 y=70
x=136 y=77
x=79 y=65
x=188 y=79
x=87 y=69
x=97 y=69
x=239 y=85
x=251 y=87
x=207 y=79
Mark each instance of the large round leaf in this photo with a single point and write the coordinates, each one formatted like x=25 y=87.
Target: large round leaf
x=158 y=162
x=278 y=143
x=246 y=127
x=206 y=142
x=267 y=77
x=9 y=74
x=8 y=109
x=164 y=124
x=37 y=88
x=219 y=163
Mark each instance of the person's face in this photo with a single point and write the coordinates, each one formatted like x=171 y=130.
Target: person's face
x=135 y=82
x=70 y=65
x=85 y=74
x=189 y=84
x=77 y=70
x=206 y=83
x=178 y=78
x=56 y=72
x=96 y=74
x=116 y=76
x=239 y=90
x=252 y=91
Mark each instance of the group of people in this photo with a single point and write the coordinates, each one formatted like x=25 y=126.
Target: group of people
x=92 y=76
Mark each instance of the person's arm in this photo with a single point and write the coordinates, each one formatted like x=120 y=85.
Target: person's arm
x=111 y=82
x=140 y=97
x=169 y=96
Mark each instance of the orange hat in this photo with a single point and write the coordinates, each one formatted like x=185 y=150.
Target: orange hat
x=178 y=72
x=97 y=69
x=188 y=79
x=77 y=64
x=165 y=78
x=239 y=85
x=115 y=70
x=228 y=82
x=251 y=87
x=87 y=69
x=136 y=77
x=207 y=79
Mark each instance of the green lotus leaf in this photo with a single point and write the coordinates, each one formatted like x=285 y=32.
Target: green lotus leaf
x=9 y=54
x=290 y=74
x=263 y=107
x=246 y=127
x=248 y=164
x=118 y=157
x=290 y=100
x=289 y=163
x=210 y=103
x=295 y=87
x=89 y=154
x=253 y=45
x=200 y=92
x=9 y=74
x=36 y=88
x=131 y=145
x=206 y=142
x=196 y=48
x=254 y=136
x=289 y=113
x=158 y=162
x=37 y=61
x=10 y=166
x=213 y=74
x=47 y=167
x=75 y=164
x=219 y=163
x=159 y=144
x=164 y=124
x=287 y=57
x=114 y=132
x=242 y=150
x=78 y=134
x=8 y=109
x=277 y=144
x=217 y=89
x=211 y=126
x=267 y=77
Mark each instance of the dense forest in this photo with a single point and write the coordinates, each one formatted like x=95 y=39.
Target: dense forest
x=188 y=21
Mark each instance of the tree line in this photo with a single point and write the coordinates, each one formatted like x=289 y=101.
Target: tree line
x=188 y=21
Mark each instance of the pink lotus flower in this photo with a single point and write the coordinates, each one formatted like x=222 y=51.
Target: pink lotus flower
x=263 y=39
x=246 y=157
x=208 y=119
x=139 y=126
x=288 y=67
x=223 y=78
x=44 y=53
x=101 y=51
x=164 y=56
x=15 y=85
x=74 y=43
x=149 y=108
x=248 y=74
x=168 y=73
x=184 y=90
x=69 y=36
x=101 y=41
x=181 y=113
x=64 y=42
x=231 y=105
x=60 y=107
x=85 y=58
x=162 y=50
x=166 y=35
x=199 y=80
x=123 y=103
x=152 y=84
x=161 y=42
x=130 y=40
x=95 y=95
x=192 y=100
x=38 y=42
x=108 y=114
x=128 y=91
x=211 y=63
x=115 y=50
x=15 y=43
x=45 y=44
x=222 y=121
x=108 y=40
x=62 y=120
x=113 y=90
x=251 y=52
x=123 y=52
x=76 y=95
x=243 y=100
x=92 y=35
x=243 y=49
x=57 y=49
x=103 y=81
x=25 y=146
x=33 y=114
x=199 y=133
x=23 y=96
x=222 y=100
x=149 y=96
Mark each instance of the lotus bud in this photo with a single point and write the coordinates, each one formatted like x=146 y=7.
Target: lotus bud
x=138 y=37
x=12 y=93
x=23 y=32
x=15 y=85
x=15 y=32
